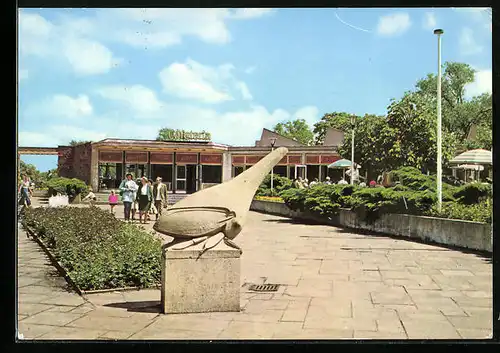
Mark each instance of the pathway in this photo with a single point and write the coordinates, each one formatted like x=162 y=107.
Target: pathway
x=335 y=285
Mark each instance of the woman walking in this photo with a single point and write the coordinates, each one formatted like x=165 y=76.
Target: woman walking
x=144 y=198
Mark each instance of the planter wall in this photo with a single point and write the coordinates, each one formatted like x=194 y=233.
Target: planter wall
x=464 y=234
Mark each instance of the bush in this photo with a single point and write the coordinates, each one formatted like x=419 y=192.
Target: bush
x=279 y=184
x=411 y=178
x=481 y=212
x=473 y=193
x=97 y=250
x=66 y=186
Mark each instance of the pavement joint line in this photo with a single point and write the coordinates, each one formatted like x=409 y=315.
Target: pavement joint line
x=307 y=312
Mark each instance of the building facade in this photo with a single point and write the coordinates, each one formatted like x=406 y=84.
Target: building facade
x=189 y=166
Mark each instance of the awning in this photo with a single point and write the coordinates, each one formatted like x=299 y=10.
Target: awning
x=478 y=156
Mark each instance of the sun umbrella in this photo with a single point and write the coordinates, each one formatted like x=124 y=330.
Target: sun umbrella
x=343 y=164
x=478 y=156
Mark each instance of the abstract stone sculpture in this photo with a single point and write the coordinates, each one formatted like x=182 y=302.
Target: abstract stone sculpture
x=217 y=213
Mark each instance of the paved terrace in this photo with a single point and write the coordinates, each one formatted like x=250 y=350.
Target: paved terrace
x=335 y=285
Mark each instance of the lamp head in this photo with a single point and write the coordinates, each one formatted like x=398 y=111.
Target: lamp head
x=438 y=31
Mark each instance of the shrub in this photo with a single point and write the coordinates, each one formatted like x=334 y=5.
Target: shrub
x=97 y=250
x=473 y=193
x=279 y=184
x=481 y=212
x=66 y=186
x=269 y=198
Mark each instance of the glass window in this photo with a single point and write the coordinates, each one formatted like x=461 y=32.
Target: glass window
x=211 y=174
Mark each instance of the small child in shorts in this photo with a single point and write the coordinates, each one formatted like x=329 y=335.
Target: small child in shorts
x=113 y=201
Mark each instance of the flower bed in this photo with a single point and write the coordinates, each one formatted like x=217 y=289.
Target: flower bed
x=96 y=250
x=269 y=198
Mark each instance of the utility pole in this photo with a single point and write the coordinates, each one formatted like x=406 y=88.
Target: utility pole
x=439 y=32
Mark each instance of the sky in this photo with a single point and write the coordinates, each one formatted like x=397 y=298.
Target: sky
x=90 y=74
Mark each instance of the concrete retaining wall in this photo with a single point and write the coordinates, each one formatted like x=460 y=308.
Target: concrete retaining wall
x=465 y=234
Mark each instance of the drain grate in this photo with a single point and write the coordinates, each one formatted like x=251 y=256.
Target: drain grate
x=263 y=287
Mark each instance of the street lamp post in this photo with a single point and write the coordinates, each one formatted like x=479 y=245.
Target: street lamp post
x=273 y=141
x=353 y=121
x=439 y=32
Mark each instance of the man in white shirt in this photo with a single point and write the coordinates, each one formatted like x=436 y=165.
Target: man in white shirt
x=128 y=188
x=342 y=182
x=159 y=196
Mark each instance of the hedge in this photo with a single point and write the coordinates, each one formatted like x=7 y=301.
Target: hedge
x=67 y=186
x=370 y=203
x=97 y=250
x=279 y=184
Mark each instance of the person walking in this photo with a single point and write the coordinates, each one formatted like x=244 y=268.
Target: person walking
x=144 y=198
x=128 y=187
x=160 y=196
x=90 y=197
x=113 y=201
x=25 y=192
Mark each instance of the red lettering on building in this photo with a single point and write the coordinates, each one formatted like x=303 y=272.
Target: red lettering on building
x=253 y=159
x=294 y=159
x=211 y=159
x=312 y=159
x=329 y=159
x=111 y=156
x=238 y=159
x=186 y=158
x=136 y=157
x=161 y=158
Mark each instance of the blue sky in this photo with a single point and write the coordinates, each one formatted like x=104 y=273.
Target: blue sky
x=125 y=73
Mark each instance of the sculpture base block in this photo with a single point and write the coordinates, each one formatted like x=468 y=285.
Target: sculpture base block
x=209 y=283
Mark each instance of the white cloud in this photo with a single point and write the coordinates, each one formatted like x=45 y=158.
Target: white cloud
x=250 y=13
x=160 y=28
x=192 y=80
x=89 y=57
x=61 y=106
x=137 y=97
x=35 y=139
x=482 y=84
x=309 y=113
x=394 y=24
x=429 y=21
x=250 y=70
x=60 y=43
x=23 y=75
x=245 y=92
x=55 y=135
x=467 y=42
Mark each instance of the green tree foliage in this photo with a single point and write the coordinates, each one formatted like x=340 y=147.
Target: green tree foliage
x=29 y=170
x=337 y=120
x=297 y=130
x=76 y=142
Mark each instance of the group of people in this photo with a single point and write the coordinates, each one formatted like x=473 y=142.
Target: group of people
x=300 y=183
x=146 y=197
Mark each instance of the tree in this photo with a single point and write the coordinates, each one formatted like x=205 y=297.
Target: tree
x=297 y=130
x=458 y=113
x=76 y=142
x=337 y=120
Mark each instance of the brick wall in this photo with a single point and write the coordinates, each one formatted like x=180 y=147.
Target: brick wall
x=75 y=161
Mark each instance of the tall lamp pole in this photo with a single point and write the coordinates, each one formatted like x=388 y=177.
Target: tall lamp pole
x=273 y=141
x=439 y=32
x=353 y=121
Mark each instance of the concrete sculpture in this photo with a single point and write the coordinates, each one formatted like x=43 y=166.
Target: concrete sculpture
x=217 y=213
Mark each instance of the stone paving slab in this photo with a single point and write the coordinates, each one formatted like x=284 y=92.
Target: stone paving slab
x=334 y=285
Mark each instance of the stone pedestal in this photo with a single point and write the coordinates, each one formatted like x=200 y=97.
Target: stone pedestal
x=206 y=284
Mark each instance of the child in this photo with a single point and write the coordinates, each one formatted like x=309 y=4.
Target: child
x=113 y=201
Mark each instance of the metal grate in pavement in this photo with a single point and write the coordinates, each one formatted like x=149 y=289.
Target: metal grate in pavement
x=263 y=287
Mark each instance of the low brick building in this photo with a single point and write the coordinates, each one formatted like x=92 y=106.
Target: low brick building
x=189 y=166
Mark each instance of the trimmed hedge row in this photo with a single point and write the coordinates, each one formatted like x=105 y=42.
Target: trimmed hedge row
x=97 y=250
x=412 y=193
